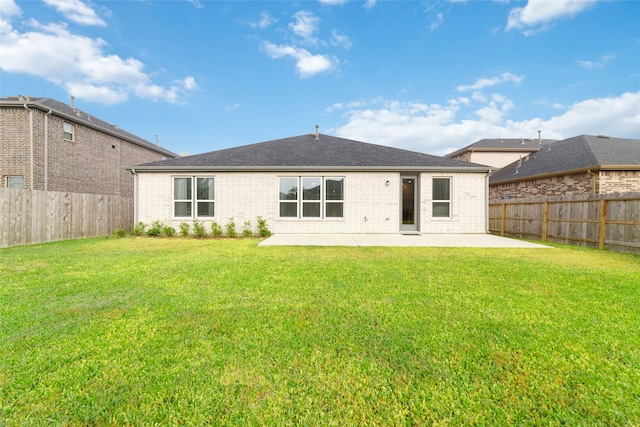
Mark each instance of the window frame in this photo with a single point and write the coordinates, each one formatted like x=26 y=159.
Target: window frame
x=439 y=202
x=192 y=199
x=9 y=178
x=72 y=134
x=304 y=203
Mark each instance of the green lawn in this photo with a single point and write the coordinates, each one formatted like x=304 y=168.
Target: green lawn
x=141 y=331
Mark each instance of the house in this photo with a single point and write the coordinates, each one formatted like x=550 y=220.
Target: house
x=583 y=164
x=316 y=183
x=499 y=152
x=48 y=145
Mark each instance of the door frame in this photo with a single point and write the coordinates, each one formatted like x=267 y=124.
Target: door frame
x=415 y=226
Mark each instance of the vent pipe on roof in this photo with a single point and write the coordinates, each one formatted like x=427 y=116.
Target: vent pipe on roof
x=539 y=137
x=317 y=132
x=73 y=98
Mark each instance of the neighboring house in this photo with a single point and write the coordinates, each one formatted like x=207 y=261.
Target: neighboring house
x=499 y=152
x=317 y=184
x=48 y=145
x=583 y=164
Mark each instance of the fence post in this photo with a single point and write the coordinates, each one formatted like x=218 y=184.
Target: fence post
x=603 y=224
x=545 y=222
x=503 y=220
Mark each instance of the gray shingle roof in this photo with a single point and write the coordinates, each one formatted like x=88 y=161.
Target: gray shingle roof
x=571 y=155
x=307 y=152
x=504 y=144
x=78 y=116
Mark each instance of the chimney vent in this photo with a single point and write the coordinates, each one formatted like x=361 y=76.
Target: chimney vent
x=317 y=132
x=73 y=98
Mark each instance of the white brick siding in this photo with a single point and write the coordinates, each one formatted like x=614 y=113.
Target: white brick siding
x=370 y=205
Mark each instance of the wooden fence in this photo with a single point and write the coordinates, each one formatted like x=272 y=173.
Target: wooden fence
x=605 y=221
x=31 y=216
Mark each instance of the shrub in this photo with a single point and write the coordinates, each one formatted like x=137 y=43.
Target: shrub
x=216 y=229
x=168 y=231
x=231 y=228
x=246 y=230
x=155 y=229
x=263 y=230
x=119 y=233
x=139 y=228
x=198 y=229
x=184 y=229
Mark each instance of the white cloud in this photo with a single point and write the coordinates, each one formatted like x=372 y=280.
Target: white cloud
x=488 y=82
x=539 y=13
x=369 y=4
x=601 y=62
x=305 y=25
x=333 y=2
x=265 y=21
x=437 y=21
x=85 y=71
x=338 y=39
x=307 y=64
x=76 y=11
x=438 y=129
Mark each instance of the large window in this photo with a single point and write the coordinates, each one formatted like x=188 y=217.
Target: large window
x=319 y=197
x=441 y=198
x=69 y=131
x=186 y=197
x=15 y=182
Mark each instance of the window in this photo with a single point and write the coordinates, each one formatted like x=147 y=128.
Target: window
x=183 y=197
x=69 y=131
x=15 y=182
x=441 y=198
x=320 y=197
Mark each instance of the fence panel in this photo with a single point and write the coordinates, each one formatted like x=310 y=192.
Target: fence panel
x=31 y=216
x=610 y=221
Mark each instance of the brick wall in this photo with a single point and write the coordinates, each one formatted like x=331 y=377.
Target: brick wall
x=569 y=185
x=566 y=185
x=93 y=163
x=370 y=205
x=619 y=181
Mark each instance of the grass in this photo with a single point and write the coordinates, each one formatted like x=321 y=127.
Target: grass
x=189 y=332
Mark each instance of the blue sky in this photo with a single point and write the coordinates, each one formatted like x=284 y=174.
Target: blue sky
x=429 y=76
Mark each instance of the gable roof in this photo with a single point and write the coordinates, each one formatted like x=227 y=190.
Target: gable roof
x=75 y=115
x=574 y=155
x=504 y=145
x=311 y=153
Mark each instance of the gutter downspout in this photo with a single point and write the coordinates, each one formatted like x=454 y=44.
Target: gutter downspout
x=486 y=202
x=135 y=196
x=30 y=145
x=46 y=150
x=594 y=181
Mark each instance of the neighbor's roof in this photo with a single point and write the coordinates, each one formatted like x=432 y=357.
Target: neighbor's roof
x=305 y=152
x=75 y=115
x=504 y=144
x=574 y=155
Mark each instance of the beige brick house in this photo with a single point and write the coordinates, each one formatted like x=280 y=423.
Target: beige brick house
x=317 y=184
x=499 y=152
x=583 y=164
x=48 y=145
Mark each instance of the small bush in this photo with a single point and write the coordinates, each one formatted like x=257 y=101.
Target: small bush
x=139 y=229
x=246 y=230
x=168 y=231
x=184 y=229
x=198 y=229
x=119 y=233
x=155 y=229
x=263 y=230
x=216 y=229
x=231 y=228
